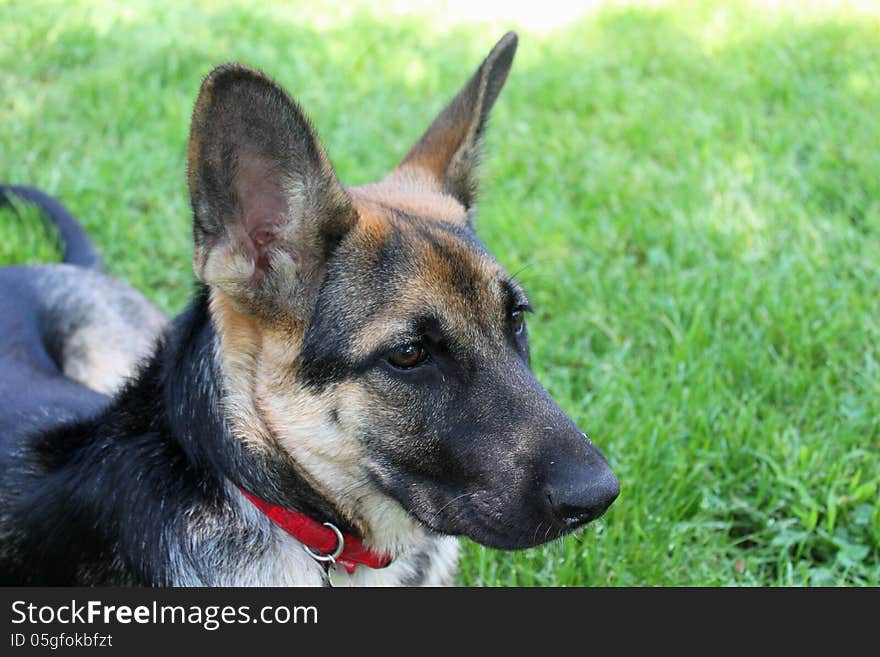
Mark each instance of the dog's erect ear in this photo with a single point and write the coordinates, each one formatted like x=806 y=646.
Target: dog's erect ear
x=267 y=206
x=450 y=149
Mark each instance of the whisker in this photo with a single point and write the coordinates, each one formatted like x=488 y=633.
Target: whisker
x=454 y=499
x=522 y=269
x=537 y=529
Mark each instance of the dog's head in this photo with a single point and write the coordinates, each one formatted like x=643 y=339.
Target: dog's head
x=368 y=335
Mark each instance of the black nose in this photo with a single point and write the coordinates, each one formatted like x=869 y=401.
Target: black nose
x=582 y=496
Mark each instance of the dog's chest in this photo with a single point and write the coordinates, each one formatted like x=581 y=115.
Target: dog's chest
x=432 y=564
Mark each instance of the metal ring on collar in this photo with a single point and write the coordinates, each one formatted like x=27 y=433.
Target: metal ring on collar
x=340 y=546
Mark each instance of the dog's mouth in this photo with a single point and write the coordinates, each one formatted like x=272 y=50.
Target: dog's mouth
x=533 y=534
x=490 y=520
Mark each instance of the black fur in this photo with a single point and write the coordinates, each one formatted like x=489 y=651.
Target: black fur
x=103 y=498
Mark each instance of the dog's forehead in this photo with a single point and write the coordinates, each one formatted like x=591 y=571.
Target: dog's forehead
x=411 y=191
x=424 y=235
x=399 y=265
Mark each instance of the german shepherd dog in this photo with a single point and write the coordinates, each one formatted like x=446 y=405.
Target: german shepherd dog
x=348 y=391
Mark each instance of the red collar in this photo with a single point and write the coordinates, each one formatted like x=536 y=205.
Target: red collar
x=323 y=541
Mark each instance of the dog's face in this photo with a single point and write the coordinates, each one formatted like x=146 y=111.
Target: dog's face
x=368 y=336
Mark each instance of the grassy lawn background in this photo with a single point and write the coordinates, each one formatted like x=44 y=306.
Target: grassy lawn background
x=690 y=193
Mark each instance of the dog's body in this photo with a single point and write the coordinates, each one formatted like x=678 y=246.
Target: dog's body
x=351 y=356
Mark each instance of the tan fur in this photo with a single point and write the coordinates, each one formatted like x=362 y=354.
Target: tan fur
x=452 y=130
x=430 y=291
x=411 y=191
x=373 y=224
x=334 y=458
x=109 y=325
x=241 y=343
x=106 y=358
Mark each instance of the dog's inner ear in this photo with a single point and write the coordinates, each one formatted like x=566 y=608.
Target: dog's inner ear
x=267 y=206
x=449 y=151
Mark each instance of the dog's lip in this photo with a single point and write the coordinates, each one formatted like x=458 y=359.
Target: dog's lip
x=489 y=535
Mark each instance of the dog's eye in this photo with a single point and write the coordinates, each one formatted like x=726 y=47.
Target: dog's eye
x=518 y=321
x=408 y=356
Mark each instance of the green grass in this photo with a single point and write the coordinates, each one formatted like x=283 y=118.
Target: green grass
x=690 y=193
